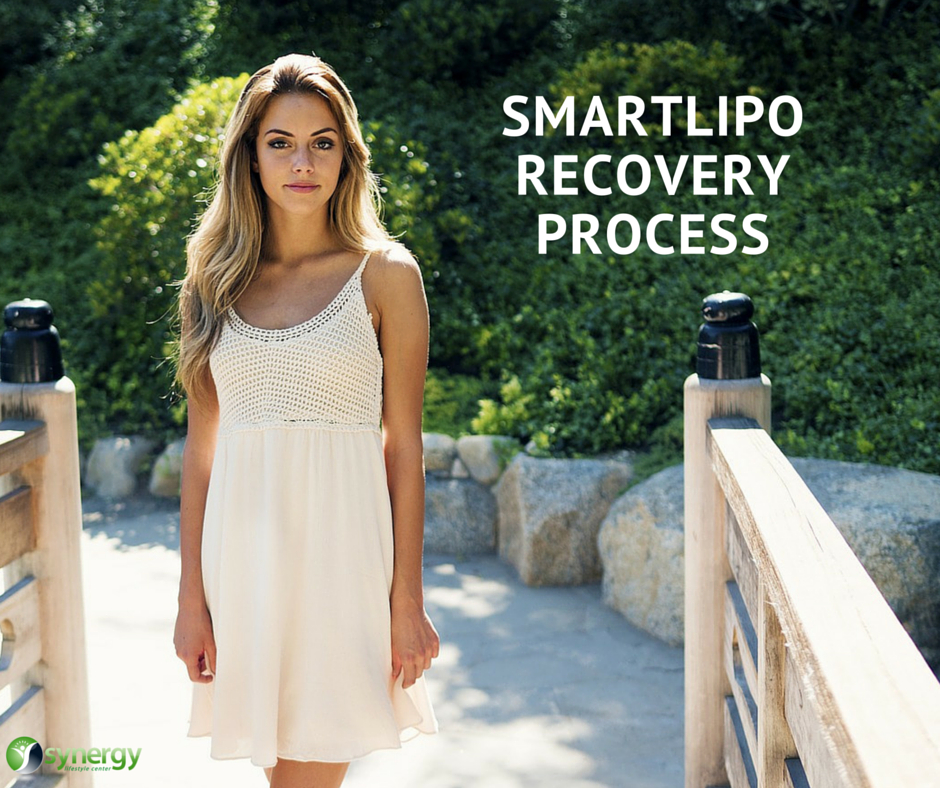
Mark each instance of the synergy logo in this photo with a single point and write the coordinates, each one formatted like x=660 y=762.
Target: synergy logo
x=25 y=755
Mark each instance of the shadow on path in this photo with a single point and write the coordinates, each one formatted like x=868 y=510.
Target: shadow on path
x=534 y=687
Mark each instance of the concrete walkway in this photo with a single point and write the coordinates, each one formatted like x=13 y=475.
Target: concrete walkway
x=533 y=688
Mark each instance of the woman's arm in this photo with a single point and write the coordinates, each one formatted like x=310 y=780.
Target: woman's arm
x=403 y=339
x=193 y=638
x=198 y=453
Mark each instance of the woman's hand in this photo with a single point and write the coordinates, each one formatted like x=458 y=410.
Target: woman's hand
x=414 y=640
x=194 y=641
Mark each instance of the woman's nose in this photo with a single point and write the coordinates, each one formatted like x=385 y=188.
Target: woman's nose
x=303 y=162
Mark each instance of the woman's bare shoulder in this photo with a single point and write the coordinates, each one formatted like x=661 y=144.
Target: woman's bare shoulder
x=393 y=255
x=395 y=270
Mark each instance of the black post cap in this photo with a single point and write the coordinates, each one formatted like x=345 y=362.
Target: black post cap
x=29 y=347
x=728 y=347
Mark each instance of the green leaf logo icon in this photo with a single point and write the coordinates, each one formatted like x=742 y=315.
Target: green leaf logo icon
x=24 y=755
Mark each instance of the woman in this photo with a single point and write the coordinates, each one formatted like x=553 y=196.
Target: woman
x=301 y=613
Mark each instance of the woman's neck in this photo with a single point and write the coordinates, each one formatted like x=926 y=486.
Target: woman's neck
x=290 y=238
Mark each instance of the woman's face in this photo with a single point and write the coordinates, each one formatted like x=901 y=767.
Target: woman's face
x=299 y=153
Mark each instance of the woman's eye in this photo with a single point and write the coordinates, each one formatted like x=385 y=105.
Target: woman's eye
x=324 y=144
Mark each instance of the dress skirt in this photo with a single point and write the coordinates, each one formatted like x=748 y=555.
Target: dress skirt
x=297 y=561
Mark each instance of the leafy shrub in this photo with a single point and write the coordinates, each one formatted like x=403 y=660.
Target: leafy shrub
x=155 y=179
x=594 y=355
x=578 y=353
x=103 y=67
x=671 y=68
x=924 y=150
x=460 y=41
x=838 y=13
x=451 y=401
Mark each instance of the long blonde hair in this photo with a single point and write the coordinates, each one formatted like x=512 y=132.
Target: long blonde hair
x=223 y=253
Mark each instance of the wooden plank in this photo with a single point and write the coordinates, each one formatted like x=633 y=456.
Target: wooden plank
x=823 y=764
x=876 y=698
x=744 y=568
x=19 y=617
x=738 y=762
x=17 y=535
x=21 y=442
x=741 y=631
x=774 y=741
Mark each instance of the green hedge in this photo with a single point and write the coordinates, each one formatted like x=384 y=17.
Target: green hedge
x=578 y=353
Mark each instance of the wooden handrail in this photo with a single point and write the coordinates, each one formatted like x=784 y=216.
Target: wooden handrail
x=861 y=702
x=43 y=660
x=21 y=442
x=797 y=672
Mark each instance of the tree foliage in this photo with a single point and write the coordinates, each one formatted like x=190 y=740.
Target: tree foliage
x=114 y=115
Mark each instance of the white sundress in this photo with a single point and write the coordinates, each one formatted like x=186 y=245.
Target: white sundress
x=297 y=548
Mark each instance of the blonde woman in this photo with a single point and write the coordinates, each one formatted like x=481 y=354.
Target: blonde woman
x=303 y=351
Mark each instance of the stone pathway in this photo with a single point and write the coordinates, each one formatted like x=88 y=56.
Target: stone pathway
x=533 y=688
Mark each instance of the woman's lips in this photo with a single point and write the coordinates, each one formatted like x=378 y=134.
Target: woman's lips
x=302 y=188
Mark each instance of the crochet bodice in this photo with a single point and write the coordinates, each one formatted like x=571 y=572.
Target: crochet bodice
x=323 y=373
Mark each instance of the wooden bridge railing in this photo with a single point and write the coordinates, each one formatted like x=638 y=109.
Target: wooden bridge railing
x=43 y=658
x=798 y=673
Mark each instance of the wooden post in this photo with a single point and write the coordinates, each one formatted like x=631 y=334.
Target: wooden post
x=57 y=514
x=727 y=382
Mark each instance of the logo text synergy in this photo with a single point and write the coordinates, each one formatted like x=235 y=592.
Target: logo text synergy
x=119 y=758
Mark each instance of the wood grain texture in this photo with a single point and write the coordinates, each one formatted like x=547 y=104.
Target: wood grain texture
x=774 y=741
x=17 y=534
x=21 y=442
x=877 y=702
x=822 y=763
x=744 y=568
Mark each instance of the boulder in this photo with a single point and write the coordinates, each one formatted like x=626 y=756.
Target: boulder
x=458 y=470
x=890 y=517
x=114 y=464
x=485 y=455
x=439 y=452
x=460 y=517
x=549 y=514
x=167 y=470
x=642 y=549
